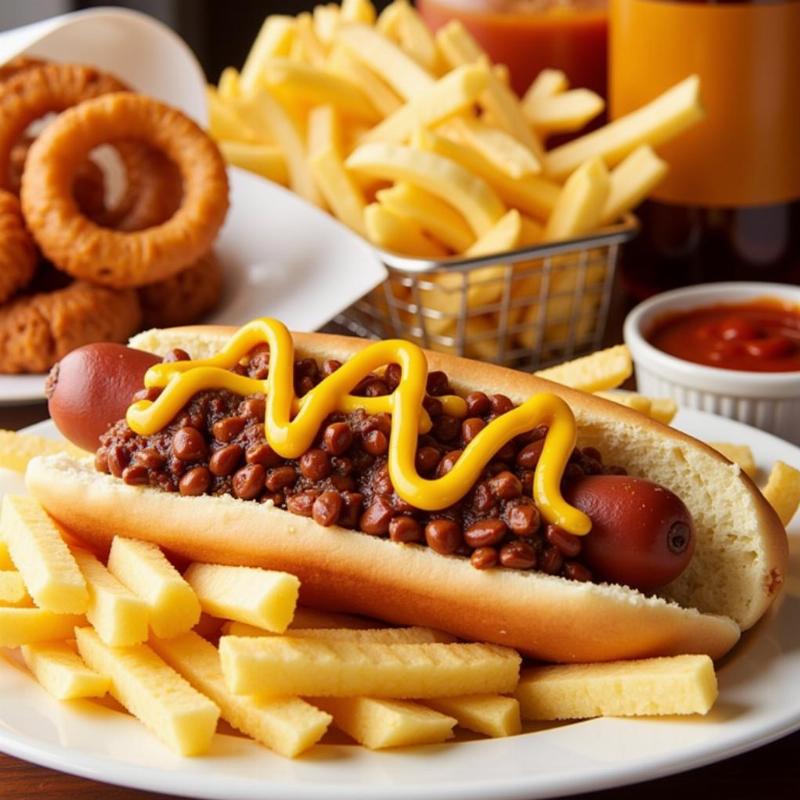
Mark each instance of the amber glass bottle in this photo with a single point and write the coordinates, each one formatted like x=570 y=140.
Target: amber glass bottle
x=730 y=207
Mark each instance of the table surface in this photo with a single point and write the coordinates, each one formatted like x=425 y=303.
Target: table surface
x=770 y=771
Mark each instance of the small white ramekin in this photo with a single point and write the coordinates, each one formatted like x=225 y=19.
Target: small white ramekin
x=767 y=400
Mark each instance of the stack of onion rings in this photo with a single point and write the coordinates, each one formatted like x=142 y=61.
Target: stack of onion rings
x=175 y=184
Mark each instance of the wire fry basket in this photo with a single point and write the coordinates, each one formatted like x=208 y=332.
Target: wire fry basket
x=526 y=308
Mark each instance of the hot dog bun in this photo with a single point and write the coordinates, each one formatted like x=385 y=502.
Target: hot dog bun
x=737 y=569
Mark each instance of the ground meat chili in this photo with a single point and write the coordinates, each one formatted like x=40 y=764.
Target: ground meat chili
x=216 y=446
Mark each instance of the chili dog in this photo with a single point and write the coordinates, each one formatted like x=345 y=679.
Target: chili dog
x=667 y=514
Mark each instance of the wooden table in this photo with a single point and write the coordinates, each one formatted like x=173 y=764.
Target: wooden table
x=770 y=771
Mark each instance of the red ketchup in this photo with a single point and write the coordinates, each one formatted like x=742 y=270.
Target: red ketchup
x=760 y=336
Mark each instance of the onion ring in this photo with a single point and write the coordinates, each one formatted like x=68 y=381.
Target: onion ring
x=17 y=65
x=113 y=258
x=39 y=329
x=184 y=298
x=42 y=90
x=18 y=254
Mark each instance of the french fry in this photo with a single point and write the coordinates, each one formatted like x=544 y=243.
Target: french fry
x=358 y=11
x=490 y=714
x=457 y=45
x=260 y=597
x=262 y=159
x=364 y=636
x=270 y=665
x=579 y=207
x=783 y=490
x=604 y=369
x=631 y=181
x=450 y=95
x=306 y=46
x=653 y=686
x=62 y=672
x=415 y=36
x=326 y=22
x=312 y=618
x=274 y=40
x=17 y=449
x=153 y=692
x=341 y=62
x=12 y=588
x=663 y=118
x=288 y=726
x=324 y=130
x=5 y=559
x=378 y=724
x=119 y=616
x=562 y=113
x=38 y=551
x=661 y=409
x=740 y=454
x=172 y=605
x=548 y=83
x=499 y=148
x=471 y=196
x=19 y=626
x=316 y=85
x=531 y=194
x=385 y=58
x=430 y=213
x=263 y=111
x=397 y=233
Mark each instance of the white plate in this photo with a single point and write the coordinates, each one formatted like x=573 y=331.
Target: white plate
x=282 y=257
x=759 y=701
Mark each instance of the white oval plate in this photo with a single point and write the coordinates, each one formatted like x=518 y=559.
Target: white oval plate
x=759 y=702
x=282 y=257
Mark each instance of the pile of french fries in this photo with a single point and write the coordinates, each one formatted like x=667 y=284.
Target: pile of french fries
x=416 y=141
x=180 y=651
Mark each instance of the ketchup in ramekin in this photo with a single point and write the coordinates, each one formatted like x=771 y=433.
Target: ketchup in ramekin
x=758 y=336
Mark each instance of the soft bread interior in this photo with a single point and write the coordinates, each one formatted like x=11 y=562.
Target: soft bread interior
x=741 y=551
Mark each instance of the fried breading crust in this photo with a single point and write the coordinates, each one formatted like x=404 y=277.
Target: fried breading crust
x=18 y=254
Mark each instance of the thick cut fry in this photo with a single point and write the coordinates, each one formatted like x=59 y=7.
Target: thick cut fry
x=364 y=636
x=450 y=95
x=631 y=181
x=489 y=714
x=378 y=724
x=285 y=666
x=548 y=83
x=17 y=449
x=172 y=605
x=286 y=725
x=740 y=454
x=263 y=159
x=415 y=36
x=532 y=194
x=468 y=194
x=273 y=40
x=315 y=85
x=119 y=616
x=783 y=490
x=399 y=234
x=153 y=692
x=341 y=62
x=12 y=588
x=580 y=205
x=342 y=194
x=358 y=11
x=263 y=111
x=260 y=597
x=431 y=213
x=62 y=672
x=500 y=149
x=312 y=618
x=20 y=626
x=605 y=369
x=562 y=113
x=652 y=686
x=38 y=551
x=385 y=58
x=668 y=115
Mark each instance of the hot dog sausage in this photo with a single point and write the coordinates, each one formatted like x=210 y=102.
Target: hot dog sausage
x=642 y=534
x=91 y=388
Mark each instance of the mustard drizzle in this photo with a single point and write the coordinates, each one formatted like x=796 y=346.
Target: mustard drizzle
x=291 y=423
